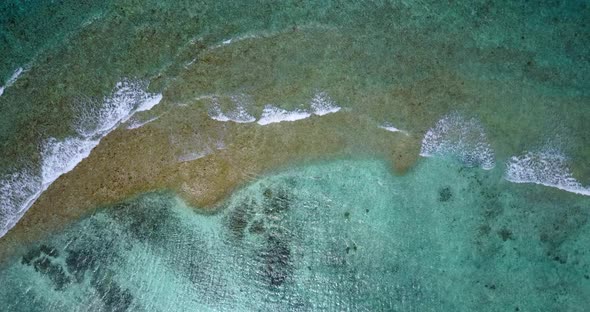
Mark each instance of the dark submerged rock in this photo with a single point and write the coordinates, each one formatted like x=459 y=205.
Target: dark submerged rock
x=40 y=258
x=146 y=219
x=80 y=261
x=114 y=297
x=279 y=202
x=257 y=227
x=239 y=219
x=505 y=234
x=277 y=261
x=445 y=194
x=50 y=251
x=31 y=255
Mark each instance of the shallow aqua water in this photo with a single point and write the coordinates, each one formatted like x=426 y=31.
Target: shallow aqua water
x=344 y=235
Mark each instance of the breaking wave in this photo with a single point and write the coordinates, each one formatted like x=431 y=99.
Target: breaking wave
x=134 y=124
x=239 y=114
x=12 y=79
x=321 y=104
x=462 y=138
x=548 y=167
x=273 y=114
x=18 y=191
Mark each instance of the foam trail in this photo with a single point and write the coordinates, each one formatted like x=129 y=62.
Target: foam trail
x=236 y=39
x=548 y=167
x=134 y=124
x=273 y=114
x=19 y=191
x=265 y=34
x=149 y=102
x=456 y=136
x=14 y=76
x=198 y=147
x=194 y=155
x=321 y=104
x=12 y=79
x=389 y=127
x=239 y=114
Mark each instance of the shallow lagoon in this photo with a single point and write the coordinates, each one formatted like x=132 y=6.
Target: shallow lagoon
x=343 y=235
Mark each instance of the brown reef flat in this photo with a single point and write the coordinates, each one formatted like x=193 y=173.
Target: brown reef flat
x=129 y=162
x=286 y=70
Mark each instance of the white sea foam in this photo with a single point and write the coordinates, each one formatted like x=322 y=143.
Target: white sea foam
x=547 y=167
x=273 y=114
x=14 y=76
x=389 y=127
x=134 y=124
x=238 y=114
x=98 y=119
x=188 y=64
x=456 y=136
x=242 y=38
x=20 y=190
x=148 y=101
x=17 y=193
x=94 y=121
x=266 y=34
x=321 y=104
x=59 y=157
x=12 y=79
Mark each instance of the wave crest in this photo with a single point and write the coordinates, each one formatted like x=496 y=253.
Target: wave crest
x=18 y=191
x=239 y=114
x=465 y=139
x=322 y=104
x=548 y=167
x=13 y=78
x=95 y=118
x=273 y=114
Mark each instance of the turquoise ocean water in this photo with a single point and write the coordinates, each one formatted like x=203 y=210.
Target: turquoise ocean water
x=345 y=235
x=492 y=217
